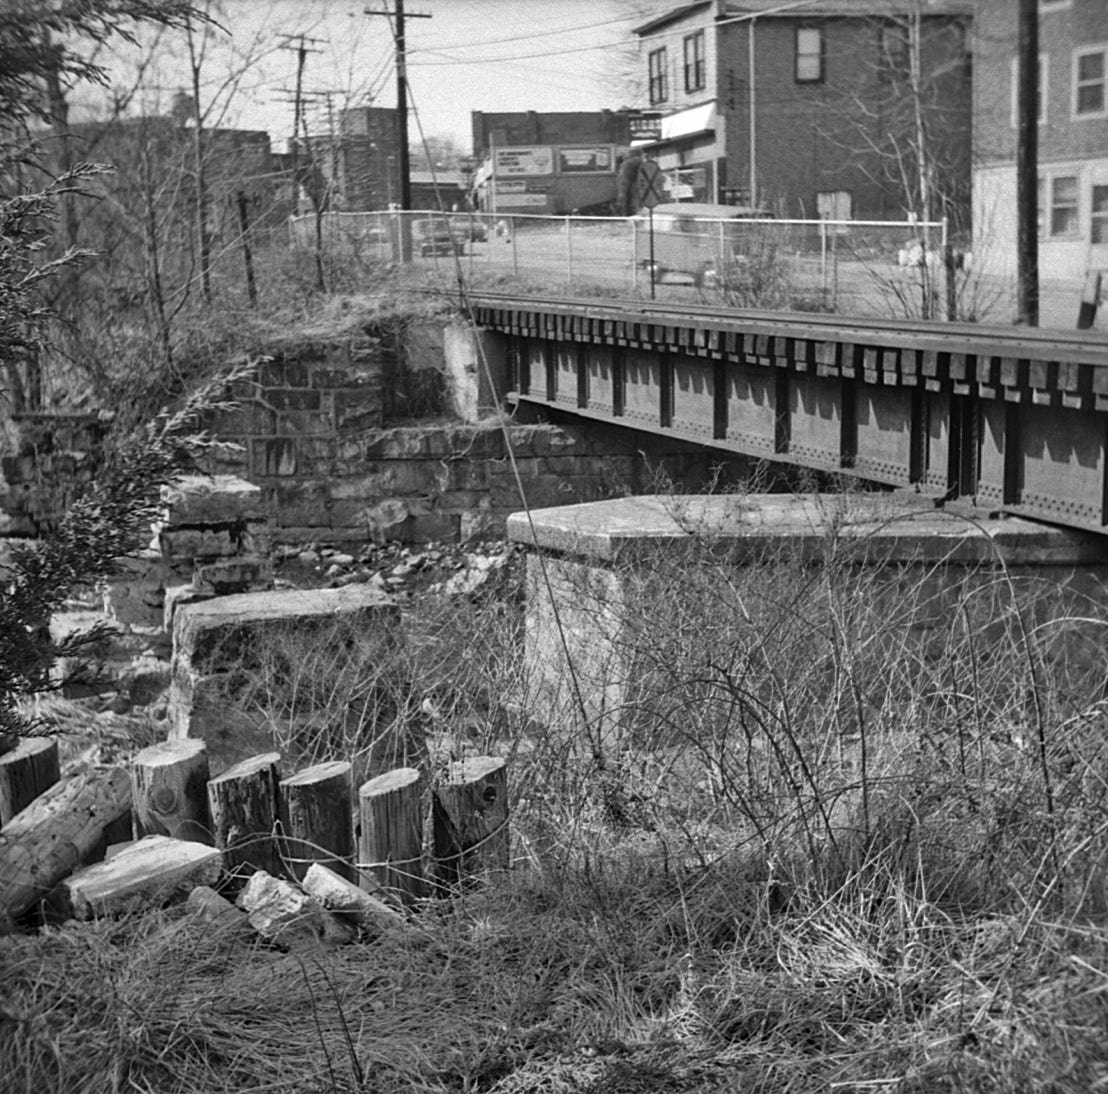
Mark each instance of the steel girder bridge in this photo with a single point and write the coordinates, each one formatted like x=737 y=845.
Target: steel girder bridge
x=1007 y=418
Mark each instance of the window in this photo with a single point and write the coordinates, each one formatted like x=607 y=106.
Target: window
x=1100 y=214
x=809 y=55
x=1043 y=89
x=659 y=92
x=694 y=62
x=1089 y=74
x=1046 y=6
x=1063 y=206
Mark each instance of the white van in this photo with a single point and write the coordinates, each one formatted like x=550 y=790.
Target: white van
x=692 y=239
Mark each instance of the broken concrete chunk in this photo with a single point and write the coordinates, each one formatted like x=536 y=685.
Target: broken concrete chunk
x=283 y=913
x=208 y=906
x=343 y=897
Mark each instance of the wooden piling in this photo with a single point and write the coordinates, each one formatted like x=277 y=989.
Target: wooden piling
x=55 y=833
x=316 y=818
x=470 y=820
x=244 y=807
x=168 y=782
x=390 y=841
x=26 y=771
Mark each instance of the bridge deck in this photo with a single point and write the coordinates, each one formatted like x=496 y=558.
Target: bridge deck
x=1011 y=418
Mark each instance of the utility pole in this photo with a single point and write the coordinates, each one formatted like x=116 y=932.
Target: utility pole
x=402 y=95
x=302 y=51
x=1027 y=165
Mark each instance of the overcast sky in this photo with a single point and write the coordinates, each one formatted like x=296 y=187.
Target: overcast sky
x=545 y=55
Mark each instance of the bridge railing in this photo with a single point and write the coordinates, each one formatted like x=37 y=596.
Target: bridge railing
x=896 y=269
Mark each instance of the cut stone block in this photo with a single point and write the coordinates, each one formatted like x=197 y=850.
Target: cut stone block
x=235 y=574
x=242 y=663
x=213 y=499
x=217 y=635
x=150 y=872
x=283 y=913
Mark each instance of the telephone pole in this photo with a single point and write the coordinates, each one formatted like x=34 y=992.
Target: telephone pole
x=302 y=51
x=1027 y=165
x=402 y=95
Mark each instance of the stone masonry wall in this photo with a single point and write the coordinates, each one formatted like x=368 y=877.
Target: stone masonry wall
x=357 y=439
x=317 y=433
x=50 y=459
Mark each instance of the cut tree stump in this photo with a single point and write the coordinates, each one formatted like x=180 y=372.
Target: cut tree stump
x=169 y=785
x=390 y=841
x=244 y=810
x=26 y=771
x=150 y=873
x=316 y=819
x=470 y=820
x=56 y=832
x=344 y=898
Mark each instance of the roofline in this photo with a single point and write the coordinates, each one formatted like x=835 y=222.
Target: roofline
x=670 y=17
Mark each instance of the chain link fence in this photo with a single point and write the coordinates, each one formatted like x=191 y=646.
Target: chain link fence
x=876 y=268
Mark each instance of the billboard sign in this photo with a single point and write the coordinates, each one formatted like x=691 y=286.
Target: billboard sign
x=572 y=161
x=524 y=161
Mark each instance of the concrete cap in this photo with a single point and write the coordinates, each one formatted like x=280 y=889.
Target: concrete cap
x=876 y=526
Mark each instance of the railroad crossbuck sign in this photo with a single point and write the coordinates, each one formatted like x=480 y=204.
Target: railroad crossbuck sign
x=649 y=185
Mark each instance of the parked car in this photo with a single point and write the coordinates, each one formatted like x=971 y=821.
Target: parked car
x=693 y=239
x=436 y=237
x=469 y=226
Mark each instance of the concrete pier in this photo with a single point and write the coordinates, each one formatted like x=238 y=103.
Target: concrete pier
x=603 y=577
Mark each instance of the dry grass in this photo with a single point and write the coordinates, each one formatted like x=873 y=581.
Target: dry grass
x=849 y=833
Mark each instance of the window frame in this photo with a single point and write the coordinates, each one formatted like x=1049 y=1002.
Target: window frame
x=1044 y=90
x=658 y=76
x=1051 y=181
x=1095 y=216
x=1097 y=49
x=697 y=68
x=797 y=78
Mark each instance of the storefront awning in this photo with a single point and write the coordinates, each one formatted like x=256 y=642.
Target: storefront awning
x=698 y=121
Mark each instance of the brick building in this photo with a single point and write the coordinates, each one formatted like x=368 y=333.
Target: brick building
x=1072 y=136
x=809 y=108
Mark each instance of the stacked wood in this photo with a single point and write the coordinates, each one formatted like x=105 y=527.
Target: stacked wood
x=27 y=771
x=390 y=841
x=470 y=820
x=150 y=872
x=244 y=810
x=169 y=785
x=344 y=898
x=55 y=833
x=316 y=819
x=282 y=913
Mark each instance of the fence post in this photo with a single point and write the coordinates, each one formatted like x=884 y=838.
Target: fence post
x=470 y=820
x=823 y=259
x=25 y=772
x=169 y=791
x=634 y=253
x=316 y=818
x=569 y=251
x=390 y=839
x=243 y=803
x=515 y=252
